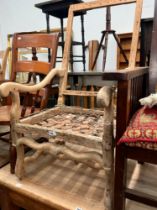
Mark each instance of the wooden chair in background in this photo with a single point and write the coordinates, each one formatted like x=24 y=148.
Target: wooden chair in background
x=34 y=101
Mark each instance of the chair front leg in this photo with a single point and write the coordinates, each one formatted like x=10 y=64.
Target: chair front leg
x=120 y=178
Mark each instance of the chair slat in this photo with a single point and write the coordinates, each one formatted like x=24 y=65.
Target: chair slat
x=79 y=93
x=33 y=66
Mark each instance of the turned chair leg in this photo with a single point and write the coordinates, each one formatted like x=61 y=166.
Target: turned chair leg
x=13 y=156
x=120 y=178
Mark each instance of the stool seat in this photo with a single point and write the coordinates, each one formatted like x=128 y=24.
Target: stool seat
x=58 y=8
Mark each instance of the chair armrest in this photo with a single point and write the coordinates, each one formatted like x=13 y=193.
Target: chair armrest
x=131 y=86
x=126 y=74
x=8 y=87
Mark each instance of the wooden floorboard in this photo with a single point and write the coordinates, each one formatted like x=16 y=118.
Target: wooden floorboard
x=4 y=147
x=4 y=153
x=68 y=185
x=141 y=177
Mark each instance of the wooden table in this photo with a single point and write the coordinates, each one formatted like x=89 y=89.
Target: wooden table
x=45 y=196
x=4 y=153
x=58 y=185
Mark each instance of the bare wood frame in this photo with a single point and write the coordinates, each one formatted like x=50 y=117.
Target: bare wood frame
x=62 y=71
x=94 y=5
x=14 y=88
x=107 y=141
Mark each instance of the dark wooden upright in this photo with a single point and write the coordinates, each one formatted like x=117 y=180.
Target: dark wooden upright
x=131 y=86
x=153 y=58
x=146 y=38
x=127 y=104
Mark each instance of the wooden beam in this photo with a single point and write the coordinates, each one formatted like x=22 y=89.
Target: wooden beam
x=79 y=93
x=135 y=36
x=99 y=4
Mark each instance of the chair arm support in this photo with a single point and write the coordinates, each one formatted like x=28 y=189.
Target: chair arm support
x=8 y=87
x=104 y=97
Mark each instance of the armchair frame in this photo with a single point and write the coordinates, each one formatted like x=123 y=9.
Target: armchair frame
x=90 y=6
x=62 y=72
x=105 y=156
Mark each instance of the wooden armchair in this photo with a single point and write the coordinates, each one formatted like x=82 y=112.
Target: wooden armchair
x=34 y=101
x=136 y=146
x=78 y=134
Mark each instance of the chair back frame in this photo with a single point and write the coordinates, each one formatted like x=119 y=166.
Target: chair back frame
x=90 y=6
x=33 y=41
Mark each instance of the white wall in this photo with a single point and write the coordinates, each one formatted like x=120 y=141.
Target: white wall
x=21 y=15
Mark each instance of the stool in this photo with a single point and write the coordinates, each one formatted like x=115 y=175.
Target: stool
x=59 y=9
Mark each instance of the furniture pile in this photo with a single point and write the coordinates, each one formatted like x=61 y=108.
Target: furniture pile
x=67 y=129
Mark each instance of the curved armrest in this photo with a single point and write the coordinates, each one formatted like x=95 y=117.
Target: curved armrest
x=104 y=97
x=8 y=87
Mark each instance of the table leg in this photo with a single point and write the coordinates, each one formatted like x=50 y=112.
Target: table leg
x=6 y=203
x=62 y=34
x=83 y=42
x=48 y=31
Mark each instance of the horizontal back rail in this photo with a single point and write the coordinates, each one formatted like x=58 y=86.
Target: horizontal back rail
x=43 y=40
x=79 y=93
x=33 y=66
x=99 y=4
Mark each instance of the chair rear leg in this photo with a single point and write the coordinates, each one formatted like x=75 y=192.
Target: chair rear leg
x=120 y=178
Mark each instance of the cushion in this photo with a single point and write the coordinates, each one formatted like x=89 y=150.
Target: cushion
x=142 y=129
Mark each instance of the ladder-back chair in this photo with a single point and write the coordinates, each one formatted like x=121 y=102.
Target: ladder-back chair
x=29 y=43
x=78 y=134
